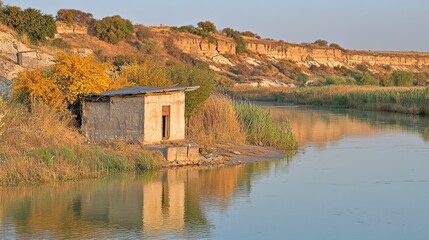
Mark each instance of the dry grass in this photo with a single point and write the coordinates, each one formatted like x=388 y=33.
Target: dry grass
x=221 y=121
x=6 y=29
x=41 y=146
x=216 y=122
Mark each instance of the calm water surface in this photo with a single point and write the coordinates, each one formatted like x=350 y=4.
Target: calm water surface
x=357 y=175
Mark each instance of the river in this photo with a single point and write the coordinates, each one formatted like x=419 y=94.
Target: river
x=356 y=175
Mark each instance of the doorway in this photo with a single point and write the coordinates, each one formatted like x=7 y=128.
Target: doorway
x=165 y=122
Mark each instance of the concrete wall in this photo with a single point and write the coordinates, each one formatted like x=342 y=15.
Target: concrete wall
x=153 y=116
x=134 y=118
x=121 y=118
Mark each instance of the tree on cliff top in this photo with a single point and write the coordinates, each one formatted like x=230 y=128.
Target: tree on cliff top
x=207 y=26
x=236 y=35
x=114 y=29
x=321 y=42
x=73 y=16
x=30 y=22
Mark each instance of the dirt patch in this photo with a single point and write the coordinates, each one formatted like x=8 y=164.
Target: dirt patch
x=248 y=153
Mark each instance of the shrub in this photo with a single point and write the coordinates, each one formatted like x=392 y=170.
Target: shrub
x=143 y=33
x=185 y=75
x=236 y=35
x=196 y=31
x=250 y=34
x=420 y=79
x=288 y=68
x=336 y=46
x=362 y=68
x=73 y=16
x=59 y=43
x=302 y=77
x=60 y=85
x=148 y=73
x=149 y=47
x=114 y=29
x=339 y=80
x=402 y=78
x=321 y=42
x=30 y=22
x=207 y=26
x=367 y=79
x=384 y=79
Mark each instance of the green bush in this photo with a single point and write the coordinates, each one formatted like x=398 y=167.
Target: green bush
x=186 y=75
x=302 y=77
x=339 y=80
x=30 y=22
x=420 y=79
x=402 y=78
x=288 y=68
x=250 y=34
x=236 y=35
x=73 y=16
x=196 y=31
x=114 y=29
x=150 y=47
x=366 y=79
x=207 y=26
x=321 y=42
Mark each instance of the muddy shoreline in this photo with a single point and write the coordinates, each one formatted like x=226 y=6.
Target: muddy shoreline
x=229 y=155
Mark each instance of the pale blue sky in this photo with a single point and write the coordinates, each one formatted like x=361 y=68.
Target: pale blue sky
x=354 y=24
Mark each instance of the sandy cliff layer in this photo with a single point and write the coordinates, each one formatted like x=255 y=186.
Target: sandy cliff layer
x=334 y=57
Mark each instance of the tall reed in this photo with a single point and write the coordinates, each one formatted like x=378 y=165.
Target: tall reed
x=411 y=100
x=216 y=123
x=261 y=129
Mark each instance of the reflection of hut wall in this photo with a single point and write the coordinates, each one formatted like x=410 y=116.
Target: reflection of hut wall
x=164 y=204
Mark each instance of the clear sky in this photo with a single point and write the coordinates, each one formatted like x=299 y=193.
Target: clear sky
x=354 y=24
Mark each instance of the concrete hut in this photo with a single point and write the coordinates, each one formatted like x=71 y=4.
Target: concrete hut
x=150 y=115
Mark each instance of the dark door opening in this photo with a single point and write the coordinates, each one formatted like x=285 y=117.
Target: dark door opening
x=165 y=122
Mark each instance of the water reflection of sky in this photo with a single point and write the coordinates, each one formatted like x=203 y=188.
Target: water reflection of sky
x=358 y=175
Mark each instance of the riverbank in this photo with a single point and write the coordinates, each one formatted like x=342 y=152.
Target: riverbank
x=409 y=100
x=42 y=145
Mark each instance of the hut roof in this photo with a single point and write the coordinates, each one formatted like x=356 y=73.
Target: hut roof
x=141 y=90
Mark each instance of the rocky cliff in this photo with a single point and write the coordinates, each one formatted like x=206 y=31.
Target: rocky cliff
x=335 y=57
x=31 y=58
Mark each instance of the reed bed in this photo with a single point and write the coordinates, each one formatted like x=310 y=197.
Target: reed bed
x=223 y=121
x=216 y=123
x=261 y=129
x=42 y=145
x=411 y=100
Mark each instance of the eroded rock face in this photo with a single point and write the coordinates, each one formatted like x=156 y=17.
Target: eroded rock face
x=335 y=57
x=31 y=58
x=63 y=28
x=201 y=46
